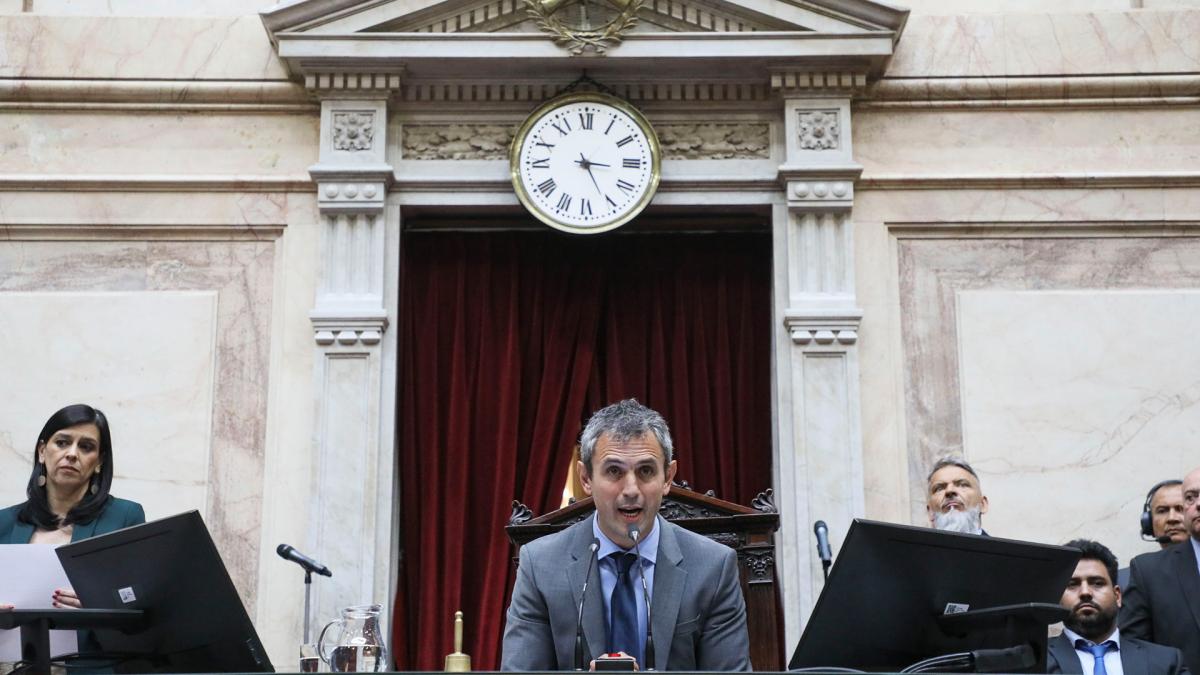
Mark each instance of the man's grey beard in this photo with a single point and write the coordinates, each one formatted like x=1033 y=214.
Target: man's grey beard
x=954 y=520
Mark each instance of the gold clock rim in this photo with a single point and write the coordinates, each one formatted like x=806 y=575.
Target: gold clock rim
x=514 y=159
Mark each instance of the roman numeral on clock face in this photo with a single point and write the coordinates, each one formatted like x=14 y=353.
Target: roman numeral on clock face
x=624 y=141
x=585 y=207
x=561 y=130
x=564 y=202
x=624 y=185
x=547 y=186
x=585 y=120
x=634 y=163
x=541 y=163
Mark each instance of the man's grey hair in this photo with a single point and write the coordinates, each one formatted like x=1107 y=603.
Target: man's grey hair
x=622 y=421
x=952 y=461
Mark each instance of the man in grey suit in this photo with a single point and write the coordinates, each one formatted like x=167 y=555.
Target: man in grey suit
x=1091 y=643
x=697 y=615
x=1162 y=603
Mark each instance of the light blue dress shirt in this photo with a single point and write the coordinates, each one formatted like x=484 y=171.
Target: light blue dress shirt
x=608 y=571
x=1112 y=659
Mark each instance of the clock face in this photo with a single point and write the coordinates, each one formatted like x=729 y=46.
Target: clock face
x=585 y=163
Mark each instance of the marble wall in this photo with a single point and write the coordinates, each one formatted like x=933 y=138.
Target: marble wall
x=1030 y=356
x=172 y=340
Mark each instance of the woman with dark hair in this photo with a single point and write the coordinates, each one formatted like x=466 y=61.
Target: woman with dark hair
x=68 y=497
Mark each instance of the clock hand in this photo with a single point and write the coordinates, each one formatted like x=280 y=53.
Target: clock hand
x=597 y=164
x=590 y=175
x=586 y=165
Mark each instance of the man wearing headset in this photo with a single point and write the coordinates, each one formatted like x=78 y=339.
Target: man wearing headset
x=1162 y=519
x=1162 y=602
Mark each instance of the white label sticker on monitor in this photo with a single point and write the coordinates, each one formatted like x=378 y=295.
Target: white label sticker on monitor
x=956 y=608
x=126 y=594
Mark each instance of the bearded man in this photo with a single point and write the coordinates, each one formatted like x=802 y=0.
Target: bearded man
x=954 y=500
x=1091 y=643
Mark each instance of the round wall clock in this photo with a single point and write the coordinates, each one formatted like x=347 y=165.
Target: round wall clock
x=585 y=162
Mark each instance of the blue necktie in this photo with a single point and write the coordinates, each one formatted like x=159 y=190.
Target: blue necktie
x=623 y=633
x=1098 y=652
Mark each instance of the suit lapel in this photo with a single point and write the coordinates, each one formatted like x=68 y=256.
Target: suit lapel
x=669 y=581
x=1133 y=658
x=594 y=631
x=1064 y=653
x=21 y=533
x=1184 y=560
x=83 y=531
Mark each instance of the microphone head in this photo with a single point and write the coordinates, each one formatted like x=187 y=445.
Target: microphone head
x=820 y=525
x=634 y=532
x=283 y=550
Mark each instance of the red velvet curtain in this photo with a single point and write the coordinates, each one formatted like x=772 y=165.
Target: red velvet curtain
x=508 y=341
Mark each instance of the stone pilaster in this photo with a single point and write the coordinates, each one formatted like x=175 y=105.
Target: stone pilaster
x=820 y=440
x=353 y=485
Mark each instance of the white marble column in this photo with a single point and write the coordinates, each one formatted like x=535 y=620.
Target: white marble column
x=819 y=465
x=352 y=510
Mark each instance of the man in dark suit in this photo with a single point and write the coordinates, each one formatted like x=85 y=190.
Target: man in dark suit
x=1091 y=643
x=696 y=611
x=1162 y=603
x=1161 y=519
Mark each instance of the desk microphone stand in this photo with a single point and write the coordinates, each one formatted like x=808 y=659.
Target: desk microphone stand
x=307 y=602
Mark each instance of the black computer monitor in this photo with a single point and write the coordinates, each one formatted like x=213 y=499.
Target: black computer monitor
x=170 y=568
x=893 y=593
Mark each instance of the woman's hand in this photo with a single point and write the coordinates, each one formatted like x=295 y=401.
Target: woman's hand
x=66 y=598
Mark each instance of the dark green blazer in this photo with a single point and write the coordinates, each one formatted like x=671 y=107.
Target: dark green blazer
x=119 y=513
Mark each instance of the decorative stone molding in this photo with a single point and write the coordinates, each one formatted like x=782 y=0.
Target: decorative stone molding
x=457 y=141
x=680 y=15
x=715 y=141
x=360 y=85
x=825 y=83
x=825 y=191
x=446 y=94
x=351 y=195
x=348 y=332
x=679 y=141
x=819 y=129
x=353 y=131
x=823 y=328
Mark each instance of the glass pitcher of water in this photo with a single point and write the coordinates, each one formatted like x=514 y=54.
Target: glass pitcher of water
x=358 y=645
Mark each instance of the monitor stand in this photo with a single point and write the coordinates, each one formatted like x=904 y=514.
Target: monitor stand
x=36 y=624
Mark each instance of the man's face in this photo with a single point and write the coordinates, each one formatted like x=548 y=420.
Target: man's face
x=627 y=481
x=1191 y=503
x=952 y=488
x=1167 y=513
x=1092 y=600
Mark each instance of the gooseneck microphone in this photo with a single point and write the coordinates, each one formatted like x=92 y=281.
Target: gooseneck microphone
x=592 y=548
x=823 y=550
x=635 y=534
x=290 y=553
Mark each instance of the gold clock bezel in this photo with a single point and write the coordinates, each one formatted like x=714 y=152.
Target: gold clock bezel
x=514 y=159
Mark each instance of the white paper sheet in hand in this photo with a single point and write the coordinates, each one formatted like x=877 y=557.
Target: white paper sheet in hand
x=31 y=573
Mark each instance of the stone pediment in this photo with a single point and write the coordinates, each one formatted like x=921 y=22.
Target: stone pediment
x=454 y=39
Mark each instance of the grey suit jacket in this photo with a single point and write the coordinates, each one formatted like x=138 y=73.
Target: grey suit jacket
x=697 y=613
x=1137 y=658
x=1162 y=602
